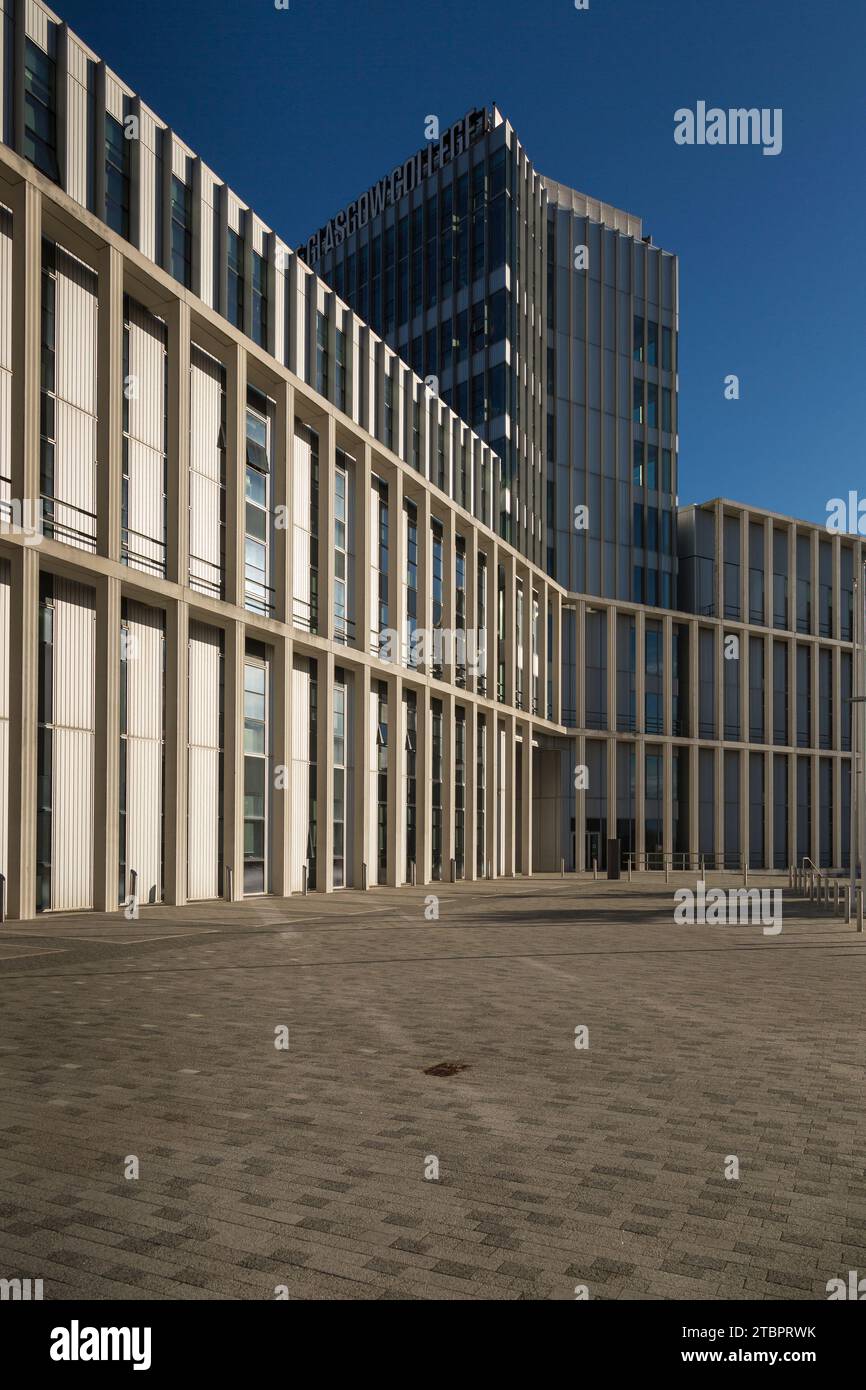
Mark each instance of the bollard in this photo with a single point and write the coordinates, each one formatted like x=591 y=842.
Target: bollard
x=702 y=866
x=745 y=872
x=849 y=900
x=859 y=892
x=229 y=883
x=305 y=879
x=667 y=870
x=2 y=898
x=363 y=878
x=562 y=868
x=629 y=868
x=453 y=870
x=412 y=873
x=835 y=896
x=595 y=868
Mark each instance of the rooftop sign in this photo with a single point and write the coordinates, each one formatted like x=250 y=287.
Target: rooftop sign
x=393 y=186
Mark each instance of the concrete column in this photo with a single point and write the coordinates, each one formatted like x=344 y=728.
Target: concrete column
x=509 y=781
x=814 y=694
x=106 y=745
x=526 y=798
x=768 y=689
x=283 y=501
x=470 y=819
x=814 y=584
x=491 y=792
x=325 y=774
x=176 y=751
x=449 y=607
x=694 y=803
x=745 y=518
x=510 y=644
x=472 y=644
x=448 y=778
x=837 y=813
x=769 y=811
x=640 y=672
x=425 y=576
x=424 y=764
x=667 y=675
x=792 y=809
x=692 y=722
x=720 y=681
x=640 y=800
x=836 y=687
x=557 y=655
x=23 y=726
x=327 y=511
x=612 y=710
x=493 y=622
x=109 y=394
x=792 y=691
x=719 y=828
x=719 y=523
x=397 y=560
x=364 y=554
x=578 y=803
x=233 y=757
x=527 y=640
x=815 y=786
x=281 y=722
x=236 y=406
x=613 y=753
x=364 y=814
x=667 y=797
x=26 y=335
x=745 y=805
x=836 y=543
x=396 y=810
x=792 y=575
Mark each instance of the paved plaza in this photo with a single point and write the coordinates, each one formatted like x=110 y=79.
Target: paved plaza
x=266 y=1068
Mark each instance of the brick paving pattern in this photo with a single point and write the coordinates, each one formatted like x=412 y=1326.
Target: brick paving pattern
x=558 y=1166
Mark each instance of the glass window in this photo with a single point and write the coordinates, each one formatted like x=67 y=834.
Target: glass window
x=40 y=110
x=260 y=300
x=235 y=300
x=116 y=176
x=181 y=232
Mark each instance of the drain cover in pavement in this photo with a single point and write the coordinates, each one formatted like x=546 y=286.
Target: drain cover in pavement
x=445 y=1069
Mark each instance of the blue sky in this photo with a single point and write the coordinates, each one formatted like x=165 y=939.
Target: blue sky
x=301 y=110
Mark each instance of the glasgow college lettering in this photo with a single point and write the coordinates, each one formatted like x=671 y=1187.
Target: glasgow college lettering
x=393 y=186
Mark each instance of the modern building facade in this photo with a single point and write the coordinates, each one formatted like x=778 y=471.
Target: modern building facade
x=278 y=614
